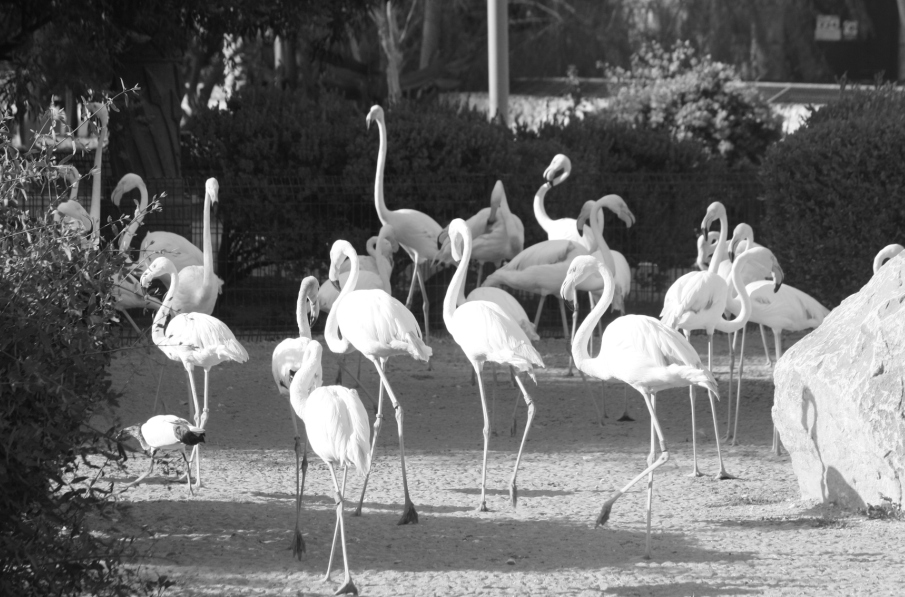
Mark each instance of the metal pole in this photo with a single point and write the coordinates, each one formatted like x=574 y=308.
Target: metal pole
x=498 y=58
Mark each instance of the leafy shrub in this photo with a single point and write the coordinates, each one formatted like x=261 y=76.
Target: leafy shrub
x=694 y=97
x=56 y=339
x=834 y=192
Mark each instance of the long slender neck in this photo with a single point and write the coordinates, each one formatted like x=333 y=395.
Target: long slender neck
x=300 y=317
x=457 y=285
x=160 y=318
x=745 y=311
x=208 y=247
x=331 y=329
x=300 y=386
x=126 y=240
x=379 y=201
x=596 y=222
x=586 y=329
x=722 y=252
x=540 y=214
x=95 y=208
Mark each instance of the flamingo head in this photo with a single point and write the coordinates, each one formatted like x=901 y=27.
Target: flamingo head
x=497 y=197
x=459 y=230
x=159 y=267
x=587 y=210
x=715 y=211
x=388 y=233
x=442 y=238
x=212 y=188
x=339 y=252
x=579 y=270
x=309 y=290
x=778 y=275
x=127 y=183
x=706 y=248
x=617 y=205
x=559 y=163
x=742 y=232
x=99 y=111
x=374 y=114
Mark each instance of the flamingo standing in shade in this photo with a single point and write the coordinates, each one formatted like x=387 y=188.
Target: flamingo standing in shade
x=70 y=212
x=640 y=351
x=485 y=332
x=194 y=339
x=779 y=308
x=378 y=326
x=285 y=364
x=416 y=231
x=887 y=252
x=337 y=427
x=697 y=300
x=99 y=110
x=498 y=234
x=164 y=432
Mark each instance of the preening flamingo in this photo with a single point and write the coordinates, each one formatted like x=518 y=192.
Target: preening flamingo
x=887 y=252
x=697 y=301
x=779 y=308
x=497 y=234
x=384 y=243
x=485 y=332
x=285 y=363
x=640 y=351
x=378 y=326
x=416 y=231
x=194 y=339
x=337 y=427
x=164 y=432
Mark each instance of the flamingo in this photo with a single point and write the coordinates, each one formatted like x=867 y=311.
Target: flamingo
x=194 y=339
x=416 y=231
x=640 y=351
x=337 y=425
x=887 y=252
x=378 y=326
x=498 y=234
x=285 y=363
x=706 y=248
x=164 y=432
x=485 y=332
x=697 y=300
x=779 y=308
x=70 y=212
x=99 y=110
x=374 y=245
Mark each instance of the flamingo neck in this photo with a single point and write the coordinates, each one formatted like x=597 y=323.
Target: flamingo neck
x=126 y=240
x=540 y=214
x=596 y=222
x=208 y=247
x=379 y=201
x=300 y=386
x=586 y=329
x=722 y=251
x=744 y=312
x=456 y=289
x=95 y=209
x=300 y=317
x=160 y=318
x=331 y=329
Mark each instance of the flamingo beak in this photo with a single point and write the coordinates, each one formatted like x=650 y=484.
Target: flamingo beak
x=336 y=285
x=778 y=276
x=442 y=237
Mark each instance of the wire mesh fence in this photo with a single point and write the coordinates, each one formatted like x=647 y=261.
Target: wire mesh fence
x=267 y=233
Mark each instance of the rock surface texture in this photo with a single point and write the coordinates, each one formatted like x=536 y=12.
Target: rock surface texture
x=839 y=403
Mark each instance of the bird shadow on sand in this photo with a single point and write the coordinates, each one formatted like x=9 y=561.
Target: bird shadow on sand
x=438 y=543
x=521 y=492
x=738 y=587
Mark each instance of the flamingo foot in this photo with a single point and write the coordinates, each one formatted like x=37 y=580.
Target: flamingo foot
x=696 y=472
x=723 y=475
x=513 y=429
x=513 y=494
x=298 y=545
x=357 y=511
x=625 y=417
x=348 y=588
x=483 y=507
x=604 y=513
x=409 y=516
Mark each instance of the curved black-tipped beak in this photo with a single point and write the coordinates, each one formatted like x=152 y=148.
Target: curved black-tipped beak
x=731 y=256
x=441 y=238
x=336 y=285
x=704 y=231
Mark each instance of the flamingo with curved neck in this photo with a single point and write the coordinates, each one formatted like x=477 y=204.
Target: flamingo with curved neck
x=379 y=327
x=887 y=252
x=564 y=228
x=99 y=110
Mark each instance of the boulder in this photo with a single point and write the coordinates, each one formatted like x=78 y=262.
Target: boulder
x=839 y=403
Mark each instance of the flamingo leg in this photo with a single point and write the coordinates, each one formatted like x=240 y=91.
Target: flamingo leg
x=298 y=543
x=540 y=307
x=695 y=472
x=777 y=338
x=348 y=586
x=204 y=411
x=425 y=305
x=196 y=450
x=511 y=376
x=493 y=399
x=723 y=474
x=664 y=456
x=193 y=394
x=335 y=531
x=584 y=380
x=143 y=476
x=378 y=423
x=565 y=334
x=731 y=337
x=738 y=392
x=478 y=367
x=625 y=414
x=513 y=427
x=409 y=515
x=513 y=490
x=358 y=383
x=650 y=475
x=411 y=296
x=763 y=337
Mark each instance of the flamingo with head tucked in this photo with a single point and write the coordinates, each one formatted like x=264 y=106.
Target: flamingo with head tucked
x=640 y=351
x=379 y=327
x=416 y=231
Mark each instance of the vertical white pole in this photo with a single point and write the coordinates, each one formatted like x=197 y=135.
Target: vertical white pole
x=498 y=58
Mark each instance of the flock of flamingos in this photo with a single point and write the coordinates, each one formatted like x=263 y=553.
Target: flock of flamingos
x=742 y=282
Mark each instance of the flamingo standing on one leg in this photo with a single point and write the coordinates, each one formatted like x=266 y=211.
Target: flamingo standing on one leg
x=378 y=326
x=194 y=339
x=164 y=432
x=487 y=333
x=640 y=351
x=337 y=426
x=285 y=364
x=887 y=252
x=416 y=231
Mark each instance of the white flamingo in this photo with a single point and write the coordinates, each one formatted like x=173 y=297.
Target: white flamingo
x=640 y=351
x=71 y=213
x=384 y=243
x=485 y=332
x=378 y=326
x=164 y=432
x=338 y=430
x=99 y=111
x=779 y=308
x=285 y=364
x=194 y=339
x=697 y=301
x=497 y=234
x=416 y=231
x=887 y=252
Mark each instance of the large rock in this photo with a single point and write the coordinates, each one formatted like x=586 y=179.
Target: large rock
x=840 y=398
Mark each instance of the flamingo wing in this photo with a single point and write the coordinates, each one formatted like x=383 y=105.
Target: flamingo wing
x=206 y=336
x=487 y=332
x=416 y=231
x=695 y=293
x=337 y=427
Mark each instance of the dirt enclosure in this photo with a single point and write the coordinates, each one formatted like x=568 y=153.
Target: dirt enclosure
x=748 y=536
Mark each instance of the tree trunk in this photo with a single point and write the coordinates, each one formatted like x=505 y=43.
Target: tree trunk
x=388 y=33
x=430 y=32
x=901 y=73
x=768 y=55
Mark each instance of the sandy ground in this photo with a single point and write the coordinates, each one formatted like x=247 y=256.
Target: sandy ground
x=748 y=536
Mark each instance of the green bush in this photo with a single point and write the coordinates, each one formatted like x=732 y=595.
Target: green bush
x=834 y=192
x=694 y=97
x=56 y=339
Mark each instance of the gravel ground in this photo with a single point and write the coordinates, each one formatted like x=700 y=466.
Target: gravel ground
x=747 y=536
